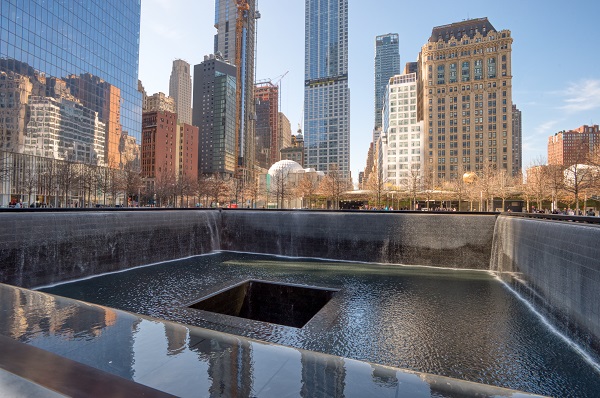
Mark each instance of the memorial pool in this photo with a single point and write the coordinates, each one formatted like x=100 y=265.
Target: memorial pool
x=456 y=323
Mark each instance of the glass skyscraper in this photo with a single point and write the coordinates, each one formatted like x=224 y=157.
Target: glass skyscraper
x=387 y=64
x=326 y=92
x=69 y=71
x=225 y=45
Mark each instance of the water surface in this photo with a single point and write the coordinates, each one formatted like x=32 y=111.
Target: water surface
x=461 y=324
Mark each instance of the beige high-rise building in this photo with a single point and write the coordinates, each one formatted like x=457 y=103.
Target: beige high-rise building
x=466 y=100
x=159 y=102
x=285 y=132
x=180 y=89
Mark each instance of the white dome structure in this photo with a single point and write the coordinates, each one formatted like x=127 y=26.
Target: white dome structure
x=285 y=166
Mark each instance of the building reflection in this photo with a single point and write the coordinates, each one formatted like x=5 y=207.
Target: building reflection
x=322 y=376
x=76 y=118
x=229 y=367
x=48 y=322
x=177 y=339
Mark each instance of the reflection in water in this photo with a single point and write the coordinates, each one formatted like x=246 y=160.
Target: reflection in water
x=191 y=362
x=464 y=325
x=322 y=378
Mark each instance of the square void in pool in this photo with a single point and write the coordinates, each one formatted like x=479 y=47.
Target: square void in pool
x=283 y=304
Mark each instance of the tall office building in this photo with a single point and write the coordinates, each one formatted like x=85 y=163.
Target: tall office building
x=169 y=148
x=72 y=51
x=411 y=67
x=387 y=64
x=295 y=150
x=580 y=145
x=180 y=89
x=466 y=100
x=159 y=146
x=402 y=136
x=285 y=132
x=517 y=141
x=228 y=18
x=326 y=92
x=214 y=112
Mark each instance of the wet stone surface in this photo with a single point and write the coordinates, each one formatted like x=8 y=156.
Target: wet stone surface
x=461 y=324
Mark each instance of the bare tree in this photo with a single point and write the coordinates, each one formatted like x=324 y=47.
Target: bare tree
x=115 y=184
x=164 y=189
x=30 y=177
x=472 y=192
x=377 y=183
x=555 y=179
x=485 y=183
x=308 y=187
x=252 y=190
x=48 y=182
x=237 y=189
x=428 y=186
x=458 y=187
x=88 y=182
x=104 y=176
x=413 y=184
x=333 y=185
x=218 y=189
x=131 y=181
x=504 y=184
x=67 y=176
x=184 y=187
x=537 y=187
x=578 y=178
x=202 y=188
x=281 y=185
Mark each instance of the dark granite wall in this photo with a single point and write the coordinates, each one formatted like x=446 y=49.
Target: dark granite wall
x=38 y=248
x=556 y=266
x=436 y=239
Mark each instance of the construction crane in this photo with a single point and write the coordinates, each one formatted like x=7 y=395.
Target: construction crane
x=280 y=77
x=278 y=83
x=243 y=11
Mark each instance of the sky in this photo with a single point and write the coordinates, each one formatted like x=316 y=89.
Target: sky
x=555 y=57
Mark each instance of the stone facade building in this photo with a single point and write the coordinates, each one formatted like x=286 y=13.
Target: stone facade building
x=466 y=100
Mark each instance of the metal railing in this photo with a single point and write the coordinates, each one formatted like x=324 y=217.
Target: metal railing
x=556 y=217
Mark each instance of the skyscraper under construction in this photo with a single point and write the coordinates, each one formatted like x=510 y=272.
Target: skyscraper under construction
x=235 y=21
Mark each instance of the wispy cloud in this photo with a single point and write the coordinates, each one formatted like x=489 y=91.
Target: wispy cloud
x=547 y=126
x=582 y=96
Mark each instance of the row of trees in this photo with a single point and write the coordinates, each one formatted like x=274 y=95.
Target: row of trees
x=549 y=185
x=286 y=186
x=42 y=181
x=67 y=184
